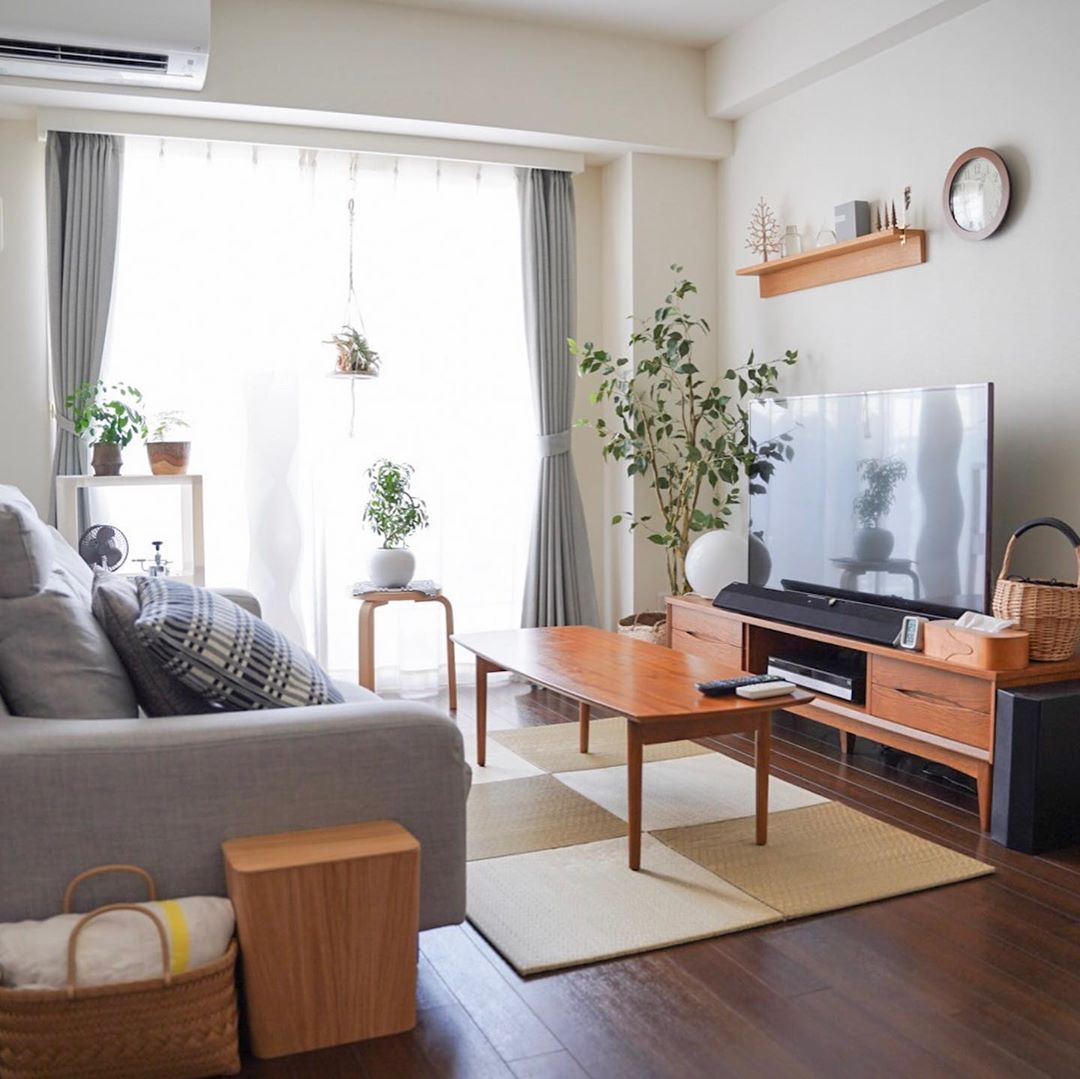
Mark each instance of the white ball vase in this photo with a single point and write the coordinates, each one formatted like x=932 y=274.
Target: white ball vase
x=714 y=560
x=391 y=567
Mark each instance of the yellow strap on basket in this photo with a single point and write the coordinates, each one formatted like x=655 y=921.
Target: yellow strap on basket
x=179 y=939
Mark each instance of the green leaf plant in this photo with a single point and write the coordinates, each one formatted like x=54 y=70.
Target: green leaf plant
x=880 y=475
x=689 y=437
x=111 y=414
x=392 y=511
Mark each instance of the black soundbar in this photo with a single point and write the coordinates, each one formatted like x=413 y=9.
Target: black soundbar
x=830 y=614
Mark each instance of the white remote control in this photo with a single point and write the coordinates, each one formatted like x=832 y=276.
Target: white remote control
x=765 y=689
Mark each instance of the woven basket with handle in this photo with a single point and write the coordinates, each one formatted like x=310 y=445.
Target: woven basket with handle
x=1048 y=610
x=181 y=1026
x=649 y=626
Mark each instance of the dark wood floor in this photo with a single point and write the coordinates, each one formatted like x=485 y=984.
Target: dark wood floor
x=979 y=979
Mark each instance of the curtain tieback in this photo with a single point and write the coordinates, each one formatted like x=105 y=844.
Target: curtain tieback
x=554 y=444
x=66 y=425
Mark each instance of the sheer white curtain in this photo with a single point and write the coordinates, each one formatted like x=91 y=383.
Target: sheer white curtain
x=232 y=272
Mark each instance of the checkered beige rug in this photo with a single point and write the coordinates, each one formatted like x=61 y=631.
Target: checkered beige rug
x=548 y=882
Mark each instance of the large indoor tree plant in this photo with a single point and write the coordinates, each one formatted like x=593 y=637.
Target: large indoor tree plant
x=689 y=436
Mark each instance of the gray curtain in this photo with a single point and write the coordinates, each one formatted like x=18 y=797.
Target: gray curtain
x=82 y=204
x=559 y=587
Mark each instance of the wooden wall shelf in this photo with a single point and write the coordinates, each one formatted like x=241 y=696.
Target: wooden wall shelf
x=880 y=251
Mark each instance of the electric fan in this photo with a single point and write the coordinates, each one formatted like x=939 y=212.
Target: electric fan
x=104 y=547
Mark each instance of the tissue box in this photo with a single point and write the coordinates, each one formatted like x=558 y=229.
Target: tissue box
x=1006 y=650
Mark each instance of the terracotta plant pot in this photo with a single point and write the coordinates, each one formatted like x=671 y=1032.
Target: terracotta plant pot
x=107 y=459
x=168 y=458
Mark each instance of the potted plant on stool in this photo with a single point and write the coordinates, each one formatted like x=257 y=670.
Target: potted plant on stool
x=394 y=514
x=168 y=456
x=109 y=417
x=880 y=475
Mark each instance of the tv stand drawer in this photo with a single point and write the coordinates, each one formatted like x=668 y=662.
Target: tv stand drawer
x=707 y=624
x=938 y=702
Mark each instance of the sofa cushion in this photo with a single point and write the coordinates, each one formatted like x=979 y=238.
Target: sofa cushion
x=55 y=660
x=223 y=652
x=26 y=548
x=116 y=607
x=65 y=556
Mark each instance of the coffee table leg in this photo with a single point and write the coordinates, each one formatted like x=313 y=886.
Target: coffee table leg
x=762 y=745
x=583 y=727
x=482 y=668
x=633 y=793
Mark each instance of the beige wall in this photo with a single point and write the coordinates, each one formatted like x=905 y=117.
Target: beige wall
x=636 y=216
x=25 y=429
x=1005 y=309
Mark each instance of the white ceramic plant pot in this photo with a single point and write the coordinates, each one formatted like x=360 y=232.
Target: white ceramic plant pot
x=391 y=567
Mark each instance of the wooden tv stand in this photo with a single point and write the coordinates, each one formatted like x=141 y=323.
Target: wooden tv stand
x=915 y=704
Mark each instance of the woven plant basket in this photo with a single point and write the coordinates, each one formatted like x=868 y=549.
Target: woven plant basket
x=1048 y=610
x=181 y=1026
x=649 y=626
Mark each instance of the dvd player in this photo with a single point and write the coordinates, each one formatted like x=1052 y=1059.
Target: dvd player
x=831 y=614
x=841 y=678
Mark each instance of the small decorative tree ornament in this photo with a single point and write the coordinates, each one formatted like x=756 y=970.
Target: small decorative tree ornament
x=907 y=207
x=763 y=233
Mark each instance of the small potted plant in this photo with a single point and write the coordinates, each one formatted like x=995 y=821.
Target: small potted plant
x=108 y=417
x=168 y=455
x=354 y=355
x=879 y=475
x=393 y=513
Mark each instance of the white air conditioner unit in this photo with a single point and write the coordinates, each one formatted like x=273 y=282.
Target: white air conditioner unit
x=164 y=43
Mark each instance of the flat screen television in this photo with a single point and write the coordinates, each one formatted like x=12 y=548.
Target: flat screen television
x=886 y=493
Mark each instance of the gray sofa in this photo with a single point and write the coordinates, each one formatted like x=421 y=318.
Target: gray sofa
x=164 y=792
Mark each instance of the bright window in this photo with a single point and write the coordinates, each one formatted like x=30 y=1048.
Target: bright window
x=232 y=271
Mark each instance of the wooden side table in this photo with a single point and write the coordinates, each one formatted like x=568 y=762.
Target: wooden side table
x=370 y=603
x=328 y=921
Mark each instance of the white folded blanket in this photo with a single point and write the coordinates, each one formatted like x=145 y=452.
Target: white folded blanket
x=119 y=946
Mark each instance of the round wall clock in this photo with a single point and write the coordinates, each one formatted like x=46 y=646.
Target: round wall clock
x=976 y=195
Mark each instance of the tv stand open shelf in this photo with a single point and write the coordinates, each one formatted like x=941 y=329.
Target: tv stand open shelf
x=915 y=704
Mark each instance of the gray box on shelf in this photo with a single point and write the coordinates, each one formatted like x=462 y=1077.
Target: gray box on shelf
x=852 y=219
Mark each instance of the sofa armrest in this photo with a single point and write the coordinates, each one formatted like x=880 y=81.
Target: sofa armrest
x=242 y=598
x=163 y=793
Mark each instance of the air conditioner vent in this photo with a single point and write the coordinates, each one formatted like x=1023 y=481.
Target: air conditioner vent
x=81 y=55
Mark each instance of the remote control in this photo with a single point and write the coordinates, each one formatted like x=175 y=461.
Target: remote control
x=725 y=687
x=765 y=689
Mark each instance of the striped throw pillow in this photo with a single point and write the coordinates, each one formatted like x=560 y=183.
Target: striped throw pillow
x=224 y=653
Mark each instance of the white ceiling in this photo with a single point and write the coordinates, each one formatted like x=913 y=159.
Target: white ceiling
x=687 y=22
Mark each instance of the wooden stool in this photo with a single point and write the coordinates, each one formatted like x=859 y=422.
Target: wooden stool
x=328 y=921
x=371 y=601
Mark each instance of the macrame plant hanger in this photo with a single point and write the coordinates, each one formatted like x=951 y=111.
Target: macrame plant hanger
x=356 y=359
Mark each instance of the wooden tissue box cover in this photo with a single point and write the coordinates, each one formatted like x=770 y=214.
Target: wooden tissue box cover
x=1006 y=650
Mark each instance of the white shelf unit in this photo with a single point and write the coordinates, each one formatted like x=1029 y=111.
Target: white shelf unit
x=193 y=562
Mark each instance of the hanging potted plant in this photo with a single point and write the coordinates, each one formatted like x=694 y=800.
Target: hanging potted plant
x=393 y=513
x=354 y=355
x=168 y=455
x=108 y=417
x=880 y=475
x=689 y=437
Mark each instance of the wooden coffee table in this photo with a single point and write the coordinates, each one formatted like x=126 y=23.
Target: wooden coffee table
x=652 y=686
